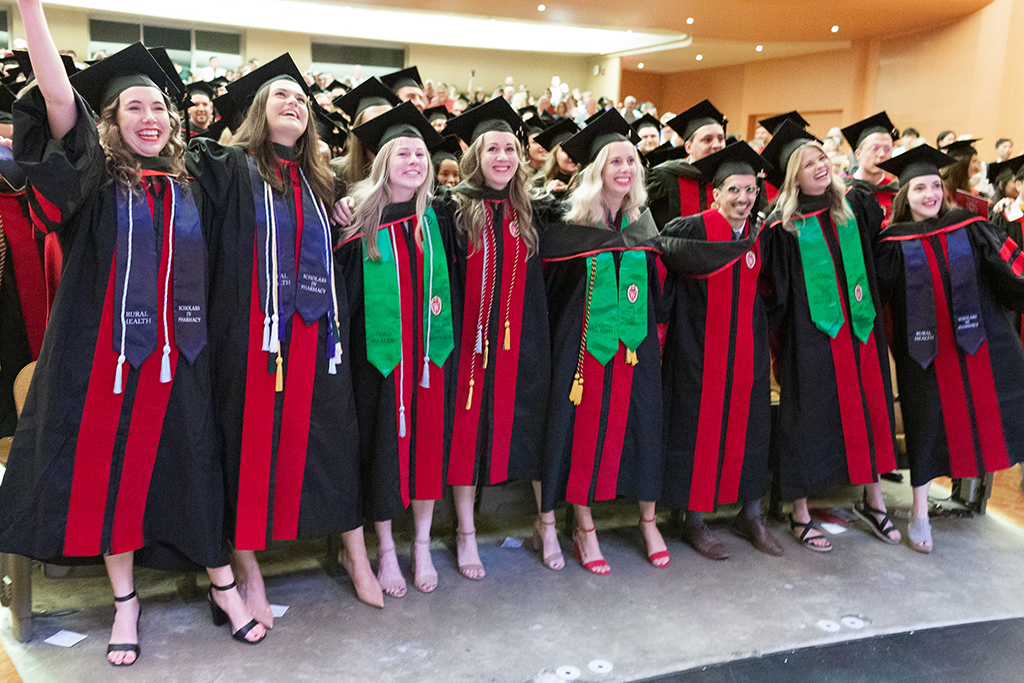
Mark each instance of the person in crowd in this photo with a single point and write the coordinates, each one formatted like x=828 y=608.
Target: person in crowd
x=99 y=374
x=287 y=397
x=604 y=416
x=1008 y=212
x=649 y=130
x=958 y=176
x=557 y=172
x=445 y=159
x=441 y=97
x=363 y=103
x=676 y=188
x=949 y=276
x=536 y=155
x=1002 y=176
x=872 y=143
x=823 y=300
x=945 y=139
x=628 y=110
x=437 y=117
x=407 y=86
x=908 y=139
x=200 y=114
x=395 y=263
x=501 y=362
x=1004 y=149
x=717 y=395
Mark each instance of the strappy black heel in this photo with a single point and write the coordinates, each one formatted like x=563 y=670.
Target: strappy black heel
x=126 y=647
x=220 y=617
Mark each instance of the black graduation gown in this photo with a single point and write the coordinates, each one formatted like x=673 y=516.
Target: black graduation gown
x=501 y=434
x=599 y=452
x=676 y=189
x=90 y=471
x=962 y=413
x=715 y=365
x=23 y=301
x=822 y=445
x=883 y=194
x=312 y=490
x=1014 y=231
x=398 y=468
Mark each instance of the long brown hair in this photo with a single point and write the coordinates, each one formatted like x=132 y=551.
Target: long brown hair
x=470 y=216
x=355 y=166
x=123 y=164
x=900 y=212
x=957 y=176
x=254 y=135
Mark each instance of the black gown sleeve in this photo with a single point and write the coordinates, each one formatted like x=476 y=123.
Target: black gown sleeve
x=888 y=266
x=1007 y=285
x=63 y=174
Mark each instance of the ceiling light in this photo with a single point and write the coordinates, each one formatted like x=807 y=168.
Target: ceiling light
x=700 y=57
x=640 y=65
x=835 y=29
x=629 y=30
x=759 y=48
x=689 y=20
x=541 y=8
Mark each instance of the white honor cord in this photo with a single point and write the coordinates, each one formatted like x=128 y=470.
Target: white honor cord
x=275 y=343
x=425 y=381
x=165 y=362
x=483 y=293
x=124 y=296
x=321 y=213
x=401 y=335
x=266 y=274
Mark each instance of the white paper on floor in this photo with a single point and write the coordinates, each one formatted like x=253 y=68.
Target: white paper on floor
x=510 y=542
x=65 y=638
x=278 y=610
x=833 y=528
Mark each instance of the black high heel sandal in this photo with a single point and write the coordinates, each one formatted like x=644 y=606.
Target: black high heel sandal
x=220 y=617
x=126 y=647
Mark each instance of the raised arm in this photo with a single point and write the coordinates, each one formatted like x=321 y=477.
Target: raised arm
x=48 y=69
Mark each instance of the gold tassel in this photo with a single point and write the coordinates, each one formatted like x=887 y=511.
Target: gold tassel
x=469 y=401
x=508 y=336
x=487 y=351
x=280 y=373
x=576 y=395
x=631 y=357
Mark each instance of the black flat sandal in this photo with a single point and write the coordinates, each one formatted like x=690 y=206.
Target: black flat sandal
x=881 y=529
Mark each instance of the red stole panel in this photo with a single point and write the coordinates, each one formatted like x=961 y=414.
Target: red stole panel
x=28 y=269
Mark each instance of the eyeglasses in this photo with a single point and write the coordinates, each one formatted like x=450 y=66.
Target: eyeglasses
x=734 y=191
x=885 y=149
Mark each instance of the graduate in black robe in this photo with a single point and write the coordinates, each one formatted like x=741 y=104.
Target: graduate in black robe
x=605 y=419
x=279 y=332
x=872 y=143
x=115 y=453
x=395 y=262
x=1008 y=214
x=715 y=366
x=677 y=188
x=502 y=361
x=835 y=410
x=948 y=274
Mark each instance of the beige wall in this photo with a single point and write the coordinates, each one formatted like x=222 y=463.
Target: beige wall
x=265 y=45
x=963 y=76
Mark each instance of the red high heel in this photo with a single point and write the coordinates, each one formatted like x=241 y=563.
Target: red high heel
x=660 y=554
x=599 y=567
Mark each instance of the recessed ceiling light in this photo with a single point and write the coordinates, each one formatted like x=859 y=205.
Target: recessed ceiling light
x=700 y=57
x=759 y=48
x=689 y=20
x=640 y=65
x=835 y=29
x=629 y=30
x=541 y=8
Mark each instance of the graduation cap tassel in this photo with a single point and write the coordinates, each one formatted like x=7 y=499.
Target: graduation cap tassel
x=631 y=357
x=576 y=395
x=425 y=382
x=165 y=365
x=487 y=351
x=279 y=383
x=266 y=333
x=117 y=375
x=401 y=422
x=508 y=337
x=469 y=401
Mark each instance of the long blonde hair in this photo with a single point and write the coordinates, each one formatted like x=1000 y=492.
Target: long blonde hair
x=788 y=199
x=254 y=135
x=470 y=216
x=585 y=201
x=374 y=193
x=123 y=164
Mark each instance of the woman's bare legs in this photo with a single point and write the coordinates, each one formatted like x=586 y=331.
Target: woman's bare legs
x=802 y=515
x=250 y=586
x=357 y=564
x=544 y=528
x=126 y=614
x=585 y=539
x=389 y=574
x=424 y=574
x=231 y=602
x=652 y=536
x=469 y=562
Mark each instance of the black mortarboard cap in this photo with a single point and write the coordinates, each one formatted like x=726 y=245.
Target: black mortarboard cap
x=6 y=103
x=369 y=93
x=788 y=137
x=496 y=115
x=610 y=127
x=448 y=148
x=557 y=134
x=13 y=83
x=280 y=68
x=1008 y=167
x=331 y=128
x=101 y=83
x=701 y=114
x=879 y=123
x=773 y=122
x=646 y=121
x=404 y=121
x=916 y=162
x=438 y=112
x=174 y=81
x=21 y=57
x=960 y=148
x=219 y=81
x=738 y=158
x=663 y=153
x=528 y=112
x=230 y=115
x=406 y=78
x=202 y=88
x=336 y=84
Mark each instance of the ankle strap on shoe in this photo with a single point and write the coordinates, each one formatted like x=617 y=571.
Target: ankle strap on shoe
x=126 y=598
x=652 y=520
x=222 y=588
x=586 y=531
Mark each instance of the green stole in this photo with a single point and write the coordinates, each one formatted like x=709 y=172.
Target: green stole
x=383 y=303
x=823 y=298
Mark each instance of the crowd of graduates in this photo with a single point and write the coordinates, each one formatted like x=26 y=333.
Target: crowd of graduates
x=299 y=311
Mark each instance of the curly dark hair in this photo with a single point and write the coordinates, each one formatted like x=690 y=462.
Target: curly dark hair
x=123 y=163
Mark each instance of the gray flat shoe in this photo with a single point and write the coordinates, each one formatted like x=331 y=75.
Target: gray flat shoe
x=920 y=532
